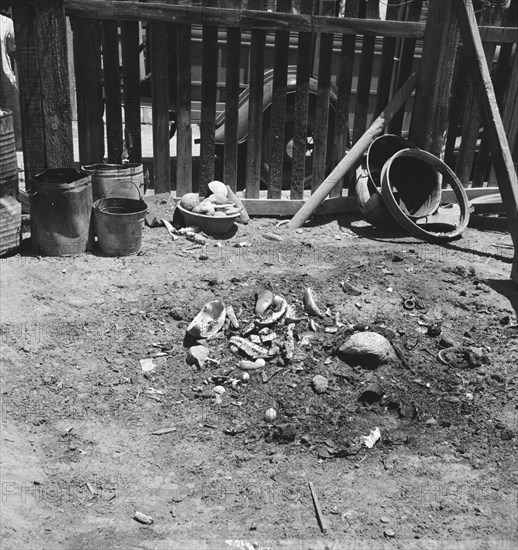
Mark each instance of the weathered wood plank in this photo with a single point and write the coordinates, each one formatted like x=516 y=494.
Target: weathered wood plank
x=344 y=83
x=432 y=102
x=493 y=126
x=184 y=136
x=208 y=108
x=406 y=60
x=289 y=207
x=320 y=141
x=160 y=97
x=472 y=119
x=30 y=90
x=232 y=107
x=255 y=115
x=250 y=19
x=112 y=91
x=130 y=42
x=510 y=115
x=458 y=100
x=90 y=106
x=387 y=60
x=209 y=77
x=483 y=173
x=51 y=38
x=278 y=111
x=364 y=76
x=301 y=109
x=300 y=119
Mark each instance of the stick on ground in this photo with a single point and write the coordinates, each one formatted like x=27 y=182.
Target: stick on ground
x=322 y=522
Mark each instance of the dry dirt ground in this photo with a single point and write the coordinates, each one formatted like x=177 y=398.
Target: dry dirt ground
x=78 y=452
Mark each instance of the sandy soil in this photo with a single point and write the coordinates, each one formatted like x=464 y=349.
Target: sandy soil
x=78 y=456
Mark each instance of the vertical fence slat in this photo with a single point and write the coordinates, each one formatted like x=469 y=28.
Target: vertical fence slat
x=130 y=41
x=458 y=101
x=30 y=90
x=406 y=60
x=184 y=139
x=51 y=35
x=231 y=107
x=255 y=115
x=510 y=115
x=322 y=111
x=365 y=75
x=472 y=119
x=301 y=107
x=482 y=166
x=344 y=83
x=160 y=97
x=87 y=61
x=508 y=79
x=112 y=91
x=278 y=110
x=387 y=61
x=209 y=76
x=432 y=100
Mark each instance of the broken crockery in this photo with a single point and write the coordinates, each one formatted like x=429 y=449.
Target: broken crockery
x=270 y=415
x=264 y=299
x=370 y=440
x=310 y=304
x=198 y=356
x=231 y=314
x=254 y=351
x=218 y=188
x=372 y=393
x=463 y=357
x=252 y=365
x=278 y=309
x=368 y=349
x=143 y=518
x=209 y=321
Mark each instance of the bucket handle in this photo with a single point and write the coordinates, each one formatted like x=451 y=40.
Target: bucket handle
x=117 y=183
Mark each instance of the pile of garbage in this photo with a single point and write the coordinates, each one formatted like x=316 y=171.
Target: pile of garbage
x=277 y=335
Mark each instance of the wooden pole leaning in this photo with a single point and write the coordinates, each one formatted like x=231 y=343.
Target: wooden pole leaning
x=350 y=160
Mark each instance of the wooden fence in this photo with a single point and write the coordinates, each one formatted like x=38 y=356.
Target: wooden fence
x=308 y=125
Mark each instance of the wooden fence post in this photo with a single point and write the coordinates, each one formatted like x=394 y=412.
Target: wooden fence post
x=493 y=126
x=431 y=108
x=30 y=89
x=45 y=95
x=90 y=101
x=160 y=94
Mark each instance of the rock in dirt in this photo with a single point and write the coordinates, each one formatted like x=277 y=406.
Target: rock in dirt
x=143 y=518
x=286 y=433
x=350 y=289
x=198 y=355
x=319 y=383
x=147 y=365
x=368 y=349
x=389 y=533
